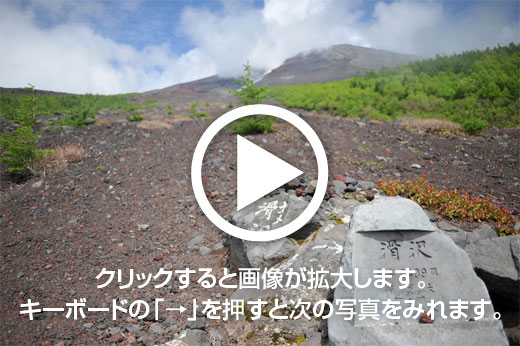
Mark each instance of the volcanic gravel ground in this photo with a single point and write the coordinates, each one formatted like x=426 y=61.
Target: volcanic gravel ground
x=58 y=237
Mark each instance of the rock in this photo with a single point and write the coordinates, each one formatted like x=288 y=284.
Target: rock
x=146 y=340
x=389 y=216
x=115 y=330
x=395 y=233
x=311 y=187
x=191 y=337
x=199 y=323
x=415 y=165
x=483 y=232
x=339 y=178
x=37 y=184
x=431 y=215
x=293 y=184
x=204 y=251
x=116 y=338
x=143 y=227
x=247 y=254
x=366 y=185
x=218 y=246
x=193 y=244
x=269 y=212
x=156 y=329
x=265 y=214
x=339 y=187
x=214 y=337
x=516 y=227
x=88 y=325
x=351 y=181
x=456 y=234
x=497 y=262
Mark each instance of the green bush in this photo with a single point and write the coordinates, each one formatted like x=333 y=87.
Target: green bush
x=474 y=126
x=19 y=150
x=85 y=117
x=253 y=124
x=194 y=111
x=170 y=108
x=134 y=117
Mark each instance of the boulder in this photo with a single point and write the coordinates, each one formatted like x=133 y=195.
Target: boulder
x=456 y=234
x=483 y=232
x=497 y=262
x=266 y=214
x=394 y=233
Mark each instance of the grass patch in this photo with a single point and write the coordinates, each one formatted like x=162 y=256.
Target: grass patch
x=194 y=111
x=58 y=159
x=453 y=203
x=135 y=117
x=432 y=126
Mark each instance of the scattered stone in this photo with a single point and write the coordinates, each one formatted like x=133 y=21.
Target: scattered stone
x=158 y=257
x=143 y=227
x=214 y=194
x=199 y=323
x=339 y=178
x=415 y=165
x=37 y=184
x=339 y=187
x=309 y=190
x=87 y=325
x=116 y=338
x=293 y=184
x=193 y=244
x=114 y=330
x=204 y=251
x=191 y=337
x=366 y=185
x=351 y=181
x=218 y=246
x=214 y=337
x=156 y=329
x=252 y=254
x=516 y=227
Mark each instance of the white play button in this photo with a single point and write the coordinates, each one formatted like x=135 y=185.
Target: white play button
x=259 y=172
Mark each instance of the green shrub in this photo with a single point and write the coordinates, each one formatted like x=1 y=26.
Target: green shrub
x=170 y=108
x=19 y=150
x=134 y=117
x=230 y=104
x=85 y=117
x=253 y=124
x=194 y=111
x=249 y=94
x=474 y=126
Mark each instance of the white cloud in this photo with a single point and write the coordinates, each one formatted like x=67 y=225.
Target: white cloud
x=266 y=37
x=72 y=57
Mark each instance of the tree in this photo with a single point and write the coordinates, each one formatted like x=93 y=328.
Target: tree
x=250 y=94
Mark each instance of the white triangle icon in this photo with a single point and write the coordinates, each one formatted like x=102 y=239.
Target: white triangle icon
x=259 y=172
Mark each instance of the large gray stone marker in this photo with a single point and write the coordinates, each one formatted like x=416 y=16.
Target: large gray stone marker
x=394 y=233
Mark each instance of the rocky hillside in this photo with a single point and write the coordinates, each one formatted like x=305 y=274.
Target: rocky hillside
x=335 y=63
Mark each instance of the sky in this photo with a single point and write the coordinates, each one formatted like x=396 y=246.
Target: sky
x=110 y=47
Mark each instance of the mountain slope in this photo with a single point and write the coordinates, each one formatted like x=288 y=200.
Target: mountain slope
x=335 y=63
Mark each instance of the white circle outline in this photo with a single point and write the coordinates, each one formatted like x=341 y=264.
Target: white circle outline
x=207 y=137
